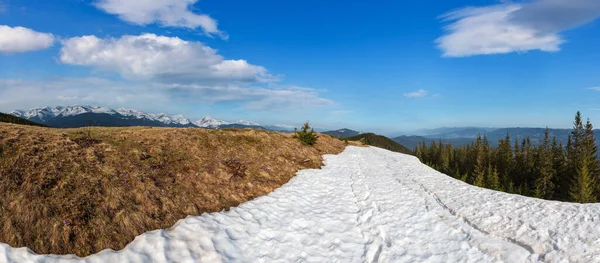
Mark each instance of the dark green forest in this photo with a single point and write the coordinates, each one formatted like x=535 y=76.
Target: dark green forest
x=16 y=120
x=381 y=142
x=548 y=170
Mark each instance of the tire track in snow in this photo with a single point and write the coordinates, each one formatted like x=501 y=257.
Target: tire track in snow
x=373 y=246
x=474 y=232
x=468 y=222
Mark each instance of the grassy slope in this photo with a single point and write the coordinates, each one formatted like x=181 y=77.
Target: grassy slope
x=62 y=193
x=7 y=118
x=381 y=142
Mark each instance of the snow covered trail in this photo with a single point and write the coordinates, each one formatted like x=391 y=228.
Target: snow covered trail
x=369 y=205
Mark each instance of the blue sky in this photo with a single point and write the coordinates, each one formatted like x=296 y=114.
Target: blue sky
x=385 y=67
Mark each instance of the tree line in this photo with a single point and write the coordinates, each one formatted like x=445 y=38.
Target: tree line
x=548 y=169
x=16 y=120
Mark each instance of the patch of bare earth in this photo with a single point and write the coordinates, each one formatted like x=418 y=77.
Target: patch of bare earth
x=62 y=192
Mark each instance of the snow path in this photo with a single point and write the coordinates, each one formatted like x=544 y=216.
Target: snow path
x=369 y=205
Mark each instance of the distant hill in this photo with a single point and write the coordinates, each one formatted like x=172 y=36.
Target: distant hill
x=342 y=133
x=412 y=141
x=16 y=120
x=381 y=142
x=466 y=135
x=452 y=132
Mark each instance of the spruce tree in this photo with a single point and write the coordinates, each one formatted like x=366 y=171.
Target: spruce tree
x=575 y=155
x=544 y=187
x=582 y=189
x=591 y=150
x=480 y=167
x=493 y=180
x=561 y=181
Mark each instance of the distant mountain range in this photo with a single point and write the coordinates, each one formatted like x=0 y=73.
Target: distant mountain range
x=466 y=135
x=80 y=116
x=342 y=133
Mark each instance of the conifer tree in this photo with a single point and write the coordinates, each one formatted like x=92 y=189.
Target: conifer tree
x=575 y=146
x=582 y=189
x=544 y=187
x=493 y=181
x=419 y=151
x=561 y=181
x=480 y=167
x=504 y=160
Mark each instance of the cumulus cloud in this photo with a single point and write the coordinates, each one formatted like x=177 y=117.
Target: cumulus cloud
x=509 y=28
x=19 y=94
x=168 y=13
x=160 y=58
x=417 y=94
x=21 y=39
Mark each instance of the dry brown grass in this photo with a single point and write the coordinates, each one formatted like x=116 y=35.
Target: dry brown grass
x=63 y=193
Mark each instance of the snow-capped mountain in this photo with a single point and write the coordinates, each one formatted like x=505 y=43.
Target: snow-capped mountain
x=78 y=110
x=38 y=114
x=133 y=113
x=247 y=123
x=175 y=119
x=81 y=115
x=209 y=122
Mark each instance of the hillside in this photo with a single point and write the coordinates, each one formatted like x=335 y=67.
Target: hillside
x=381 y=142
x=342 y=133
x=369 y=205
x=7 y=118
x=65 y=193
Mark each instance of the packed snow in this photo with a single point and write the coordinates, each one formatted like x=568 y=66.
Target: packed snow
x=369 y=205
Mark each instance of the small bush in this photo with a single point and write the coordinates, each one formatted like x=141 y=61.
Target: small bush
x=305 y=136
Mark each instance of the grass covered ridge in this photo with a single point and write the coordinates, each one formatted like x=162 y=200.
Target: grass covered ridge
x=13 y=119
x=381 y=142
x=64 y=193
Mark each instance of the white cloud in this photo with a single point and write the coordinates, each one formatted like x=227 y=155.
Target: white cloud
x=595 y=88
x=21 y=39
x=557 y=15
x=19 y=94
x=510 y=27
x=489 y=30
x=168 y=13
x=417 y=94
x=160 y=58
x=253 y=98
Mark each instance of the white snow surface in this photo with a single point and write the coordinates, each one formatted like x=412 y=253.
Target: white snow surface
x=369 y=205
